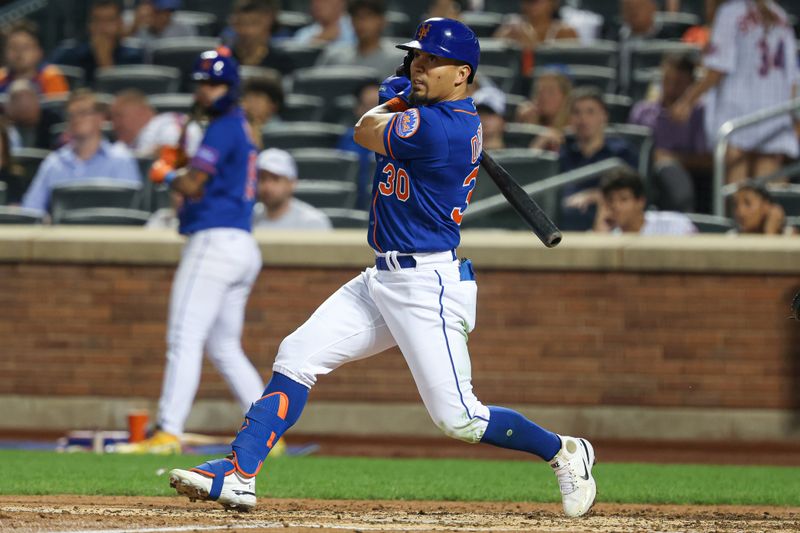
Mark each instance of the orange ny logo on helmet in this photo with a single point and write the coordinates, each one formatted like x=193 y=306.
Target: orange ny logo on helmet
x=423 y=31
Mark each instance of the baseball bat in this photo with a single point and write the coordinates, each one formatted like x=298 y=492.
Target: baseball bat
x=524 y=205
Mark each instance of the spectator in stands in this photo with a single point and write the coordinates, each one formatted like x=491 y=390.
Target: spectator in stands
x=449 y=9
x=491 y=105
x=331 y=25
x=278 y=209
x=750 y=65
x=104 y=47
x=29 y=123
x=253 y=22
x=88 y=155
x=639 y=25
x=589 y=144
x=755 y=211
x=366 y=97
x=369 y=21
x=7 y=169
x=549 y=101
x=262 y=101
x=24 y=60
x=536 y=24
x=138 y=128
x=622 y=204
x=154 y=20
x=681 y=156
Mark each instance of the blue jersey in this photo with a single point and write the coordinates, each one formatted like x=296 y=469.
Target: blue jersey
x=423 y=185
x=228 y=156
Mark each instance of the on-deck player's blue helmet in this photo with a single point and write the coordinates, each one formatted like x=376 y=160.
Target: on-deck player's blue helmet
x=217 y=66
x=447 y=38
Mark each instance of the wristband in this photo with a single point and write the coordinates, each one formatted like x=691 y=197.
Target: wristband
x=397 y=104
x=170 y=176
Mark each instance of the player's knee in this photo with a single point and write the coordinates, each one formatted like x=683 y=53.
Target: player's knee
x=469 y=430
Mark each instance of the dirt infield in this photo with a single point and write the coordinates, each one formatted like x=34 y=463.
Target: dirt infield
x=95 y=513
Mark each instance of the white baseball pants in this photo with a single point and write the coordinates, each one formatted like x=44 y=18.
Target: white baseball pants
x=427 y=311
x=209 y=292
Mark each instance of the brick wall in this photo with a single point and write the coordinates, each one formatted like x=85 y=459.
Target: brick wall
x=547 y=338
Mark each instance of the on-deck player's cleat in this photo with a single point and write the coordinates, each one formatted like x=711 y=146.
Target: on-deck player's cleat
x=161 y=443
x=218 y=480
x=573 y=468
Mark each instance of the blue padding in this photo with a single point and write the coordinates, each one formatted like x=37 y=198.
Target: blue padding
x=250 y=444
x=217 y=467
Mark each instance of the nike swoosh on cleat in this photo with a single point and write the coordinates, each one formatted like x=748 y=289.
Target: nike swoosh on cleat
x=585 y=475
x=243 y=493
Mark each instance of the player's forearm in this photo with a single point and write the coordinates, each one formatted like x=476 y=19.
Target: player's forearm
x=369 y=130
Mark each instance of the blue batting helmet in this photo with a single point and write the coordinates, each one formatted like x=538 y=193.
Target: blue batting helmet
x=216 y=66
x=447 y=38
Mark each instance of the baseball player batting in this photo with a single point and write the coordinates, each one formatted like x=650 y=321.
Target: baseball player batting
x=418 y=296
x=220 y=260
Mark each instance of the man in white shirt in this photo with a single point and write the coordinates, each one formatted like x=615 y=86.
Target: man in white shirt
x=277 y=209
x=622 y=209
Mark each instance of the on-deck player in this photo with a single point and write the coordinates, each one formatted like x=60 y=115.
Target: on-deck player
x=220 y=260
x=418 y=296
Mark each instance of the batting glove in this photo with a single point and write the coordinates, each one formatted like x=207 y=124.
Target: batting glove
x=394 y=92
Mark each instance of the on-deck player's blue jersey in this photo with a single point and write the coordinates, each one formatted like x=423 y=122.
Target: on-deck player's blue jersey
x=423 y=186
x=228 y=156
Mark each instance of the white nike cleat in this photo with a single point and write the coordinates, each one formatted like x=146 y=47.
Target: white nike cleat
x=573 y=467
x=217 y=480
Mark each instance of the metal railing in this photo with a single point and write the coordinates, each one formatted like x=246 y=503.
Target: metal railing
x=725 y=131
x=19 y=10
x=498 y=202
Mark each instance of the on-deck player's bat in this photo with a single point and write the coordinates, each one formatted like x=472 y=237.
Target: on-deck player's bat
x=524 y=205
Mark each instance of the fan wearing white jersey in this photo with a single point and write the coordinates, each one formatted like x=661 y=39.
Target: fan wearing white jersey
x=751 y=65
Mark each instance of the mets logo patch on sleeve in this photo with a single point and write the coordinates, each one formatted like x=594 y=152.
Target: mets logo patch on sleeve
x=407 y=123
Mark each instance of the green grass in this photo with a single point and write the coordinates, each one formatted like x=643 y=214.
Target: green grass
x=419 y=479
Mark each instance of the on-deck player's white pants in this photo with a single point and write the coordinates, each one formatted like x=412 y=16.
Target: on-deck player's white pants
x=427 y=311
x=217 y=270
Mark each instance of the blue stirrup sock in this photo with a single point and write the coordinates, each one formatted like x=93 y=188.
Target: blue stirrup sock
x=268 y=418
x=509 y=429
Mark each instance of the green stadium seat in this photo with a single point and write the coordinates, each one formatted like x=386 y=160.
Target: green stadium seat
x=347 y=218
x=150 y=79
x=105 y=216
x=20 y=215
x=97 y=192
x=332 y=80
x=293 y=135
x=324 y=194
x=324 y=164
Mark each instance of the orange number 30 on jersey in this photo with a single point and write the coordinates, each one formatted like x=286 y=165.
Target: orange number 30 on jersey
x=457 y=214
x=397 y=182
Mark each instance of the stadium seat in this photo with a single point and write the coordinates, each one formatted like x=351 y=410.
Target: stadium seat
x=181 y=53
x=299 y=107
x=321 y=164
x=150 y=79
x=501 y=6
x=573 y=52
x=711 y=223
x=56 y=104
x=20 y=215
x=499 y=53
x=324 y=194
x=333 y=80
x=340 y=111
x=3 y=192
x=603 y=78
x=171 y=102
x=105 y=216
x=220 y=9
x=399 y=24
x=525 y=165
x=484 y=24
x=76 y=76
x=292 y=21
x=291 y=135
x=302 y=55
x=640 y=138
x=788 y=196
x=504 y=77
x=206 y=24
x=642 y=80
x=619 y=107
x=25 y=163
x=513 y=101
x=249 y=72
x=649 y=54
x=677 y=23
x=415 y=9
x=347 y=218
x=96 y=192
x=302 y=6
x=520 y=135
